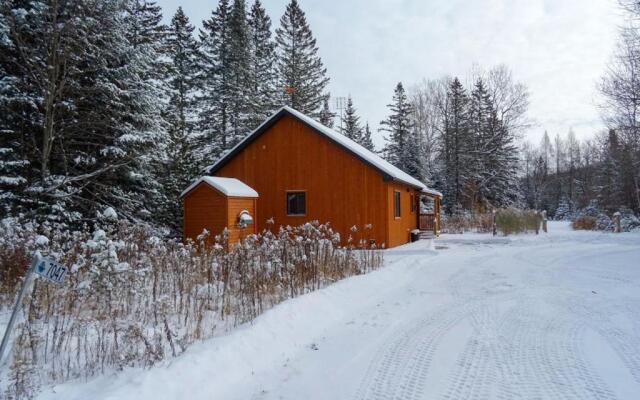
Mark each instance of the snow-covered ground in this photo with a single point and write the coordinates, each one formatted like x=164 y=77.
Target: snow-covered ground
x=554 y=316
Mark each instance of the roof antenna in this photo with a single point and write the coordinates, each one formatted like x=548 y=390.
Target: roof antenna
x=341 y=103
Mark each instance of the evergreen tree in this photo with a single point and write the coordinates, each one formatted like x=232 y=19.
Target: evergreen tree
x=456 y=146
x=479 y=114
x=500 y=163
x=367 y=142
x=92 y=115
x=216 y=83
x=262 y=66
x=239 y=73
x=146 y=35
x=402 y=148
x=326 y=117
x=301 y=73
x=18 y=116
x=180 y=158
x=350 y=123
x=145 y=28
x=492 y=176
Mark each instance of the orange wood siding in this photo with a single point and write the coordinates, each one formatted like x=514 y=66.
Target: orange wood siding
x=235 y=205
x=341 y=189
x=204 y=208
x=400 y=228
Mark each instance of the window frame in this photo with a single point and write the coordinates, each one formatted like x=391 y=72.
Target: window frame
x=287 y=193
x=397 y=204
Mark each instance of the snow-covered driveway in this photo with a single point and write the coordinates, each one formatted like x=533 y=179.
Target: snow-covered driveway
x=555 y=316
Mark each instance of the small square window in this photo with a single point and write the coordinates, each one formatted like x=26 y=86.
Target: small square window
x=396 y=204
x=296 y=203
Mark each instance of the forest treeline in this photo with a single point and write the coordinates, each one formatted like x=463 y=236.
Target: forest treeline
x=102 y=104
x=568 y=176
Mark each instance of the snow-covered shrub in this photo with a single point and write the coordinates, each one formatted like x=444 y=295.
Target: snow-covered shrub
x=563 y=212
x=133 y=299
x=591 y=217
x=593 y=209
x=594 y=217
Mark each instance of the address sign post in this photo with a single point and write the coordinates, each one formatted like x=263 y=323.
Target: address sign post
x=46 y=268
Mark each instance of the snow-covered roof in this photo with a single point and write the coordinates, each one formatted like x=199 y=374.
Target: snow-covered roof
x=231 y=187
x=431 y=191
x=359 y=151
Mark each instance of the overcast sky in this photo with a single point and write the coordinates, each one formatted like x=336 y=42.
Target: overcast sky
x=558 y=48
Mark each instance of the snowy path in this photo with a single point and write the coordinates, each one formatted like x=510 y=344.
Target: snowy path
x=547 y=317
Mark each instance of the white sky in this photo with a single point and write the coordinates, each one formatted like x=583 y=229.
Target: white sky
x=558 y=48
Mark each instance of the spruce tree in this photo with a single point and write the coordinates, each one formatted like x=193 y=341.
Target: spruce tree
x=146 y=34
x=402 y=148
x=145 y=23
x=216 y=83
x=480 y=148
x=350 y=123
x=456 y=146
x=367 y=142
x=262 y=66
x=239 y=74
x=302 y=75
x=327 y=117
x=93 y=114
x=500 y=163
x=124 y=113
x=18 y=116
x=180 y=158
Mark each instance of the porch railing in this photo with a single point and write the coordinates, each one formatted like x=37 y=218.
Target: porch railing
x=428 y=222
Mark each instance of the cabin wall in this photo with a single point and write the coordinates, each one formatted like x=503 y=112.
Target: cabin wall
x=400 y=228
x=234 y=206
x=340 y=188
x=204 y=208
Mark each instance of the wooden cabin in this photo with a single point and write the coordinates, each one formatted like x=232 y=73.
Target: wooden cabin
x=304 y=171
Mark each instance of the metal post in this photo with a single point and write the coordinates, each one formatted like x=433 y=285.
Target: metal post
x=494 y=226
x=23 y=291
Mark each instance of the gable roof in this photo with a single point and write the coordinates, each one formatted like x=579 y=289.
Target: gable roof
x=387 y=169
x=228 y=186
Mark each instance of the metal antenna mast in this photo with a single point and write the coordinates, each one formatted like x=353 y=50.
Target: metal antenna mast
x=341 y=103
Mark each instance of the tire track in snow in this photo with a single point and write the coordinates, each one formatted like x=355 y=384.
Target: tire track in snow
x=625 y=344
x=520 y=353
x=477 y=374
x=398 y=368
x=524 y=353
x=559 y=343
x=596 y=312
